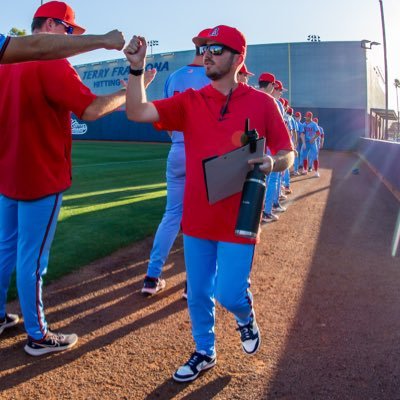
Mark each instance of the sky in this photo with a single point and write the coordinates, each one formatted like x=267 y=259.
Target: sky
x=174 y=22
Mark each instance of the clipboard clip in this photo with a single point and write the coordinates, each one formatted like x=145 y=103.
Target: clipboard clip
x=249 y=137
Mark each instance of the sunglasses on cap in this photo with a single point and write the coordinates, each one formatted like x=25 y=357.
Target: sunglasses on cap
x=68 y=28
x=215 y=49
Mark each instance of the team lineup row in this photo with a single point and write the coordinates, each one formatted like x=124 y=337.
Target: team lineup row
x=205 y=108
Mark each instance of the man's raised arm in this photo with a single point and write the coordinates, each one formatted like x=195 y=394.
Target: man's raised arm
x=137 y=107
x=49 y=47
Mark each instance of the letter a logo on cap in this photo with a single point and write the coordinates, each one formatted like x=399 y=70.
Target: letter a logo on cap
x=215 y=32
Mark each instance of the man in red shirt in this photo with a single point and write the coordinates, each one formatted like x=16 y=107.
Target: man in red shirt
x=218 y=262
x=36 y=100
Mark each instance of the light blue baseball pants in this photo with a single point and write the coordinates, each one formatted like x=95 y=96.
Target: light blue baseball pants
x=216 y=271
x=171 y=220
x=27 y=230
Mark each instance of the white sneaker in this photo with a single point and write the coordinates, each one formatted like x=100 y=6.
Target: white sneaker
x=317 y=174
x=9 y=321
x=190 y=371
x=269 y=217
x=250 y=337
x=152 y=286
x=278 y=208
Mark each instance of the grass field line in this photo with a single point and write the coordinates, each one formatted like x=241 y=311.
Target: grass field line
x=117 y=190
x=118 y=162
x=68 y=212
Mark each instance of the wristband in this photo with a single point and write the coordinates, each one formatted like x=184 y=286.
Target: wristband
x=136 y=72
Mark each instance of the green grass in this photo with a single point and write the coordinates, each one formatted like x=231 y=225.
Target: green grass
x=117 y=197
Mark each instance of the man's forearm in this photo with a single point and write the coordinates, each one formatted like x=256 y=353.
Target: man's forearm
x=48 y=47
x=104 y=105
x=135 y=98
x=282 y=160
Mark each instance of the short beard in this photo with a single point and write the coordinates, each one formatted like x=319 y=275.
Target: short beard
x=217 y=75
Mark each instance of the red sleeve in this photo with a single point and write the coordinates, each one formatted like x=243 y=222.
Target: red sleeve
x=63 y=86
x=171 y=112
x=277 y=134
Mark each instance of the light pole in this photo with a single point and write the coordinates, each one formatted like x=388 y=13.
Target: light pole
x=386 y=71
x=152 y=43
x=397 y=86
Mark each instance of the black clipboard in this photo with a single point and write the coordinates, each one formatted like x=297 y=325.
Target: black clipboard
x=225 y=175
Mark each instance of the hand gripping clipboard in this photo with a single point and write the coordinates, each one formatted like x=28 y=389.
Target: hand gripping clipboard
x=225 y=175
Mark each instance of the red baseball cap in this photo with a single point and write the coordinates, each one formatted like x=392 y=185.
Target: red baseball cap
x=245 y=71
x=309 y=114
x=285 y=102
x=267 y=77
x=59 y=10
x=298 y=114
x=204 y=32
x=282 y=101
x=279 y=86
x=289 y=110
x=315 y=120
x=226 y=35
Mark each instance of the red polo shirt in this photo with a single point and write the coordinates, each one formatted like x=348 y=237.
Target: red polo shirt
x=207 y=134
x=36 y=100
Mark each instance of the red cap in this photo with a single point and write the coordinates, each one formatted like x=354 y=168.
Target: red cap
x=267 y=77
x=289 y=110
x=245 y=71
x=279 y=86
x=285 y=102
x=282 y=101
x=309 y=114
x=59 y=10
x=315 y=120
x=298 y=114
x=226 y=35
x=204 y=32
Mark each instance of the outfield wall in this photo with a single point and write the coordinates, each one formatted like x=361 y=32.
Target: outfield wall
x=327 y=78
x=384 y=158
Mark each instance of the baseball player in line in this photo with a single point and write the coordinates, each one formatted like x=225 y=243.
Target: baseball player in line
x=36 y=99
x=300 y=131
x=314 y=161
x=309 y=147
x=213 y=120
x=191 y=76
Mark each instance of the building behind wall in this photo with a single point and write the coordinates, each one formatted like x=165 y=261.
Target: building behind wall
x=334 y=80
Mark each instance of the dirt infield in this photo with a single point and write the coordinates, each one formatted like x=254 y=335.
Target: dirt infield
x=326 y=292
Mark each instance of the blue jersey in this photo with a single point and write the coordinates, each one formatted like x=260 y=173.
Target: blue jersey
x=299 y=127
x=310 y=128
x=280 y=106
x=188 y=77
x=3 y=44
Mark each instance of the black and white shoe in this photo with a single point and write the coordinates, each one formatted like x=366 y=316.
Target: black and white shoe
x=250 y=337
x=152 y=286
x=8 y=321
x=50 y=343
x=190 y=371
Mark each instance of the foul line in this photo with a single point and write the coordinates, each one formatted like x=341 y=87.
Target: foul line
x=119 y=162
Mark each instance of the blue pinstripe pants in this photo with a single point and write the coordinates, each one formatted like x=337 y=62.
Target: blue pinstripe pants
x=27 y=230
